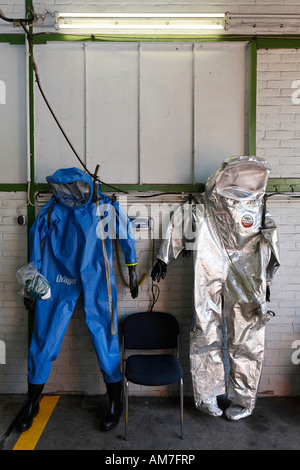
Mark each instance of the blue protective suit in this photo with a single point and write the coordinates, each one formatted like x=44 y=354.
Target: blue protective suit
x=71 y=243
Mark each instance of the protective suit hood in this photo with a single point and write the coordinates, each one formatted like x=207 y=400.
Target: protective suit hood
x=71 y=187
x=239 y=178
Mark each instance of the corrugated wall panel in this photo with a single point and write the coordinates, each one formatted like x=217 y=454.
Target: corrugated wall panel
x=12 y=114
x=112 y=111
x=166 y=113
x=220 y=101
x=61 y=70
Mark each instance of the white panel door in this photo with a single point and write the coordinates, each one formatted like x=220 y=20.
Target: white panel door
x=148 y=113
x=220 y=101
x=12 y=114
x=112 y=95
x=166 y=113
x=62 y=75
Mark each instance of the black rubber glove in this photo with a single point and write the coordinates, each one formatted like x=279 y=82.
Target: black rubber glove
x=133 y=283
x=159 y=271
x=29 y=304
x=268 y=294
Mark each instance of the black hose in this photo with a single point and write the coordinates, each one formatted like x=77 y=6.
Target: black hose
x=18 y=20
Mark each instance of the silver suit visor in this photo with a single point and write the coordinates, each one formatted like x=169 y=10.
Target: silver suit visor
x=73 y=194
x=242 y=181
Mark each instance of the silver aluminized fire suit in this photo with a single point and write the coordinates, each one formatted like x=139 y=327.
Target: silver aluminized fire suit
x=235 y=253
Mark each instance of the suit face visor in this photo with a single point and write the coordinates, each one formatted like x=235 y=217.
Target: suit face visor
x=242 y=181
x=73 y=194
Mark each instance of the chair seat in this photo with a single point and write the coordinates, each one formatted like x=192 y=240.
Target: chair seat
x=155 y=369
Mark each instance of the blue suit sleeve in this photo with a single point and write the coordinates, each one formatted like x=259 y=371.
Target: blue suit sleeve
x=37 y=233
x=125 y=235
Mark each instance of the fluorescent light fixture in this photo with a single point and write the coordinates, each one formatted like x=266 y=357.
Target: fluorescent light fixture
x=128 y=23
x=267 y=21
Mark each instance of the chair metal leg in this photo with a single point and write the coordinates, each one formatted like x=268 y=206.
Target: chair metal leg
x=126 y=410
x=123 y=391
x=181 y=407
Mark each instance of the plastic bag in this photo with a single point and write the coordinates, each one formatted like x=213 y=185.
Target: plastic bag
x=35 y=286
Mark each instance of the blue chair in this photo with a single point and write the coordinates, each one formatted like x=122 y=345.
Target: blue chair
x=151 y=331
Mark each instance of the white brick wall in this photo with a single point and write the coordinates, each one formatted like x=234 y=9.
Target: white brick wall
x=280 y=376
x=15 y=9
x=278 y=140
x=278 y=117
x=13 y=316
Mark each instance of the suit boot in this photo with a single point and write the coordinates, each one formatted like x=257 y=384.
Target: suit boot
x=31 y=407
x=111 y=420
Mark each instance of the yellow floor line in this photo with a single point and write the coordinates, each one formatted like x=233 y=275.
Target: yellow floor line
x=29 y=439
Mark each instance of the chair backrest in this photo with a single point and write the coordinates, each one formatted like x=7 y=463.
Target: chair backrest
x=150 y=330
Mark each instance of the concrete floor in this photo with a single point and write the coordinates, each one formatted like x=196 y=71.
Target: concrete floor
x=154 y=426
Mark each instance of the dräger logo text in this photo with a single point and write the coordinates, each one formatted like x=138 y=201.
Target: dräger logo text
x=65 y=280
